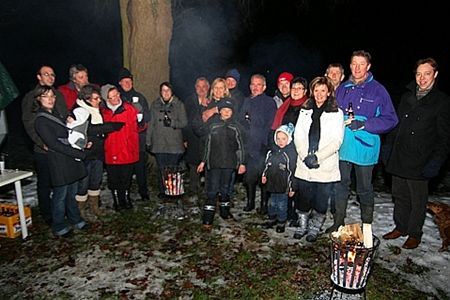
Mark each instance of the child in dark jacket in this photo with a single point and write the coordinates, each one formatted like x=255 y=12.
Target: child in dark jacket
x=224 y=153
x=278 y=175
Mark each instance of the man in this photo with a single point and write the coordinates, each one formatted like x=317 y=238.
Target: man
x=256 y=117
x=193 y=142
x=335 y=72
x=232 y=78
x=374 y=114
x=46 y=77
x=283 y=88
x=418 y=148
x=78 y=77
x=130 y=95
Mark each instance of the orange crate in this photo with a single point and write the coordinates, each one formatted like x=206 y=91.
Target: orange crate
x=10 y=225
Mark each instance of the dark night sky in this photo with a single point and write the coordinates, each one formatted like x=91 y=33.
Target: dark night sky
x=211 y=36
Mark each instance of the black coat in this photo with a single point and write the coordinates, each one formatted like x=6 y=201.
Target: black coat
x=422 y=135
x=65 y=163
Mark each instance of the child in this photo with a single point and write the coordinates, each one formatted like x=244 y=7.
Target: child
x=224 y=153
x=278 y=175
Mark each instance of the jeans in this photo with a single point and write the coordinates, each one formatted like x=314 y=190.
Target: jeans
x=364 y=190
x=44 y=188
x=410 y=205
x=64 y=204
x=218 y=181
x=315 y=195
x=278 y=206
x=94 y=178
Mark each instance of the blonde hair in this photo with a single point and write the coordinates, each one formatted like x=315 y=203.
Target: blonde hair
x=214 y=83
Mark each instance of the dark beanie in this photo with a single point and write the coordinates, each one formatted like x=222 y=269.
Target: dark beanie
x=124 y=73
x=233 y=73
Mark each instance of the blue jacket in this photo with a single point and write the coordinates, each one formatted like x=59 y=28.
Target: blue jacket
x=371 y=103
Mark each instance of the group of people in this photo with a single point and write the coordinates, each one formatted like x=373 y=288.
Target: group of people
x=300 y=147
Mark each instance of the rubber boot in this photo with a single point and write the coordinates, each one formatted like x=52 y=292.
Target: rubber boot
x=315 y=226
x=264 y=201
x=116 y=205
x=338 y=220
x=128 y=200
x=225 y=205
x=251 y=194
x=302 y=221
x=209 y=209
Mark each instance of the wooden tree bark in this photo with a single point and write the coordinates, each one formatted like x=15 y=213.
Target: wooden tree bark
x=147 y=30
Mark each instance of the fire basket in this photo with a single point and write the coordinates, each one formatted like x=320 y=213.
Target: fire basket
x=173 y=181
x=351 y=265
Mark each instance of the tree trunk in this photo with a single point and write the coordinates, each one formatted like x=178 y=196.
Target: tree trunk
x=147 y=31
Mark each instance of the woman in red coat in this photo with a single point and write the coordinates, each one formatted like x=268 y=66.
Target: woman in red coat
x=121 y=147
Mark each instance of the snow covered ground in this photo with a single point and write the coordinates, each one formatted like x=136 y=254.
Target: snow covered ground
x=425 y=255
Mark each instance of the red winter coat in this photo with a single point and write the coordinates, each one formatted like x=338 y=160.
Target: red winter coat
x=122 y=146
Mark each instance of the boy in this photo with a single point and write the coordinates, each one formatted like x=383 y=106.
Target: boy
x=278 y=175
x=224 y=153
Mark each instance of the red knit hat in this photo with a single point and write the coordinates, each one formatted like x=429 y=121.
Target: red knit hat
x=285 y=76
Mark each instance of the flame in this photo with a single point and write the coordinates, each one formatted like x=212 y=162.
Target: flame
x=351 y=255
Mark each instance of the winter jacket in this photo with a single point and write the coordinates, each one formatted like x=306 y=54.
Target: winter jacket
x=279 y=168
x=331 y=137
x=370 y=100
x=224 y=148
x=122 y=146
x=169 y=139
x=65 y=162
x=423 y=135
x=260 y=111
x=29 y=108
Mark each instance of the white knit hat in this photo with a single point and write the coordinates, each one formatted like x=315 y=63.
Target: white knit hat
x=288 y=129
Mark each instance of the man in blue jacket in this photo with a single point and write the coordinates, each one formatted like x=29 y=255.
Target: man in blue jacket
x=373 y=114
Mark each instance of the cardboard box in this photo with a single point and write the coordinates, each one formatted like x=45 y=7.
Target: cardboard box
x=10 y=224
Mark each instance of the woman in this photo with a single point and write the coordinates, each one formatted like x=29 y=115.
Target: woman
x=168 y=118
x=65 y=163
x=218 y=91
x=318 y=136
x=88 y=103
x=289 y=110
x=121 y=147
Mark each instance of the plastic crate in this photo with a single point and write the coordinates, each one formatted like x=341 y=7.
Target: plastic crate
x=10 y=225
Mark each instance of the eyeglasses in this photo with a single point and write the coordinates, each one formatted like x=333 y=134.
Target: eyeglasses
x=48 y=75
x=298 y=88
x=96 y=98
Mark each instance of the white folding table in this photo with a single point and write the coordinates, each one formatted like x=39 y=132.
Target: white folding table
x=10 y=176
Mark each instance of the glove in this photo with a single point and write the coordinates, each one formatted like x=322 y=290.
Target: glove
x=311 y=161
x=356 y=125
x=117 y=125
x=431 y=169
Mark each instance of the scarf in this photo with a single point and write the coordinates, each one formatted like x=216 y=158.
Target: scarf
x=96 y=117
x=314 y=130
x=281 y=111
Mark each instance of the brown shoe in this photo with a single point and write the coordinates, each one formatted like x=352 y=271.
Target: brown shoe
x=411 y=243
x=394 y=234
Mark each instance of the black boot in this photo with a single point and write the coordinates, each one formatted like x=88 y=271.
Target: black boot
x=115 y=200
x=128 y=200
x=271 y=222
x=225 y=204
x=121 y=196
x=209 y=209
x=251 y=194
x=264 y=201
